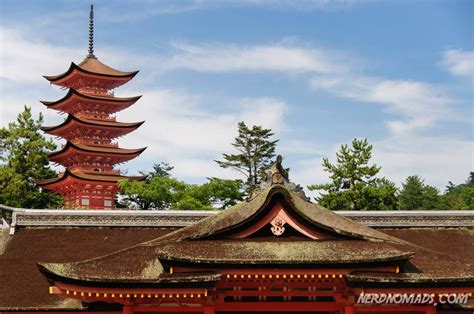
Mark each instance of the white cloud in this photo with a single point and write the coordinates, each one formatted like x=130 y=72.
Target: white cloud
x=281 y=57
x=437 y=159
x=459 y=62
x=178 y=127
x=418 y=105
x=25 y=59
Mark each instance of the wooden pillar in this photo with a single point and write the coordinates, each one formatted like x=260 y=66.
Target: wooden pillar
x=209 y=309
x=349 y=309
x=128 y=309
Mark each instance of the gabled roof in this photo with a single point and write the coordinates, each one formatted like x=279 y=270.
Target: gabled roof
x=196 y=244
x=72 y=92
x=247 y=212
x=92 y=65
x=93 y=123
x=211 y=243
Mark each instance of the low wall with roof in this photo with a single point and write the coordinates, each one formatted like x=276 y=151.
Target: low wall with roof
x=13 y=218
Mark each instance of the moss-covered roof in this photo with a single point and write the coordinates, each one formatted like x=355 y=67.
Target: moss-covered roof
x=243 y=213
x=358 y=244
x=281 y=252
x=23 y=287
x=368 y=279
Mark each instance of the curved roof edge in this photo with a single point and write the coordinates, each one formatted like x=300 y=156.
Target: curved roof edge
x=65 y=271
x=93 y=122
x=94 y=67
x=97 y=149
x=87 y=176
x=246 y=211
x=71 y=92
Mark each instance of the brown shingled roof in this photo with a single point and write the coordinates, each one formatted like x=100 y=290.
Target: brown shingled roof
x=99 y=176
x=72 y=92
x=245 y=213
x=131 y=265
x=97 y=149
x=281 y=252
x=92 y=65
x=23 y=287
x=93 y=123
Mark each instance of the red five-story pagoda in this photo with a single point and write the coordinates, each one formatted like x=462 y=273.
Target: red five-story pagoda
x=90 y=154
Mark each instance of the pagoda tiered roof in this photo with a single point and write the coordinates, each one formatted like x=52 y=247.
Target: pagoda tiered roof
x=71 y=153
x=85 y=177
x=77 y=126
x=91 y=72
x=75 y=101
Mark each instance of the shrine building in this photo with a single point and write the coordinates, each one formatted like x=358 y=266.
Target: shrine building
x=276 y=252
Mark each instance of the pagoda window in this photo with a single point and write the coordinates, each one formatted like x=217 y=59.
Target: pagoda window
x=85 y=201
x=107 y=203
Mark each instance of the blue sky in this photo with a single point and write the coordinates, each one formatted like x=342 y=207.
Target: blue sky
x=319 y=73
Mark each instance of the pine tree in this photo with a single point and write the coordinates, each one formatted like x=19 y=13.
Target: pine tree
x=256 y=150
x=354 y=183
x=411 y=195
x=416 y=195
x=461 y=196
x=24 y=157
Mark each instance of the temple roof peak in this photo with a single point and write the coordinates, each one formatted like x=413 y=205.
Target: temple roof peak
x=278 y=175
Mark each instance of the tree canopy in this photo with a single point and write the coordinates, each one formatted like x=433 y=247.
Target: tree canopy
x=354 y=185
x=161 y=191
x=416 y=195
x=24 y=157
x=460 y=197
x=256 y=149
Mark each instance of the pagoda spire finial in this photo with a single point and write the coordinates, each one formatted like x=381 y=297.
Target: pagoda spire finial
x=91 y=32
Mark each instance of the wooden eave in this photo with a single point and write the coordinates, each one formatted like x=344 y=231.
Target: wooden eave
x=97 y=123
x=74 y=93
x=96 y=150
x=85 y=177
x=385 y=280
x=101 y=70
x=273 y=252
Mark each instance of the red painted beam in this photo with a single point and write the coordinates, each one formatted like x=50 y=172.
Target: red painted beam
x=166 y=309
x=277 y=306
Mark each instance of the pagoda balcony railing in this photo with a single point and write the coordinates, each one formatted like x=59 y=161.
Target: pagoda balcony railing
x=96 y=115
x=97 y=92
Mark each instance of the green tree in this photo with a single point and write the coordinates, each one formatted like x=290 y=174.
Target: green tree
x=155 y=193
x=218 y=193
x=24 y=157
x=354 y=184
x=256 y=149
x=161 y=191
x=460 y=197
x=161 y=169
x=416 y=195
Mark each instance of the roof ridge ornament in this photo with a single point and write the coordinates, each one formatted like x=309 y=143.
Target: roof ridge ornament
x=278 y=175
x=91 y=33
